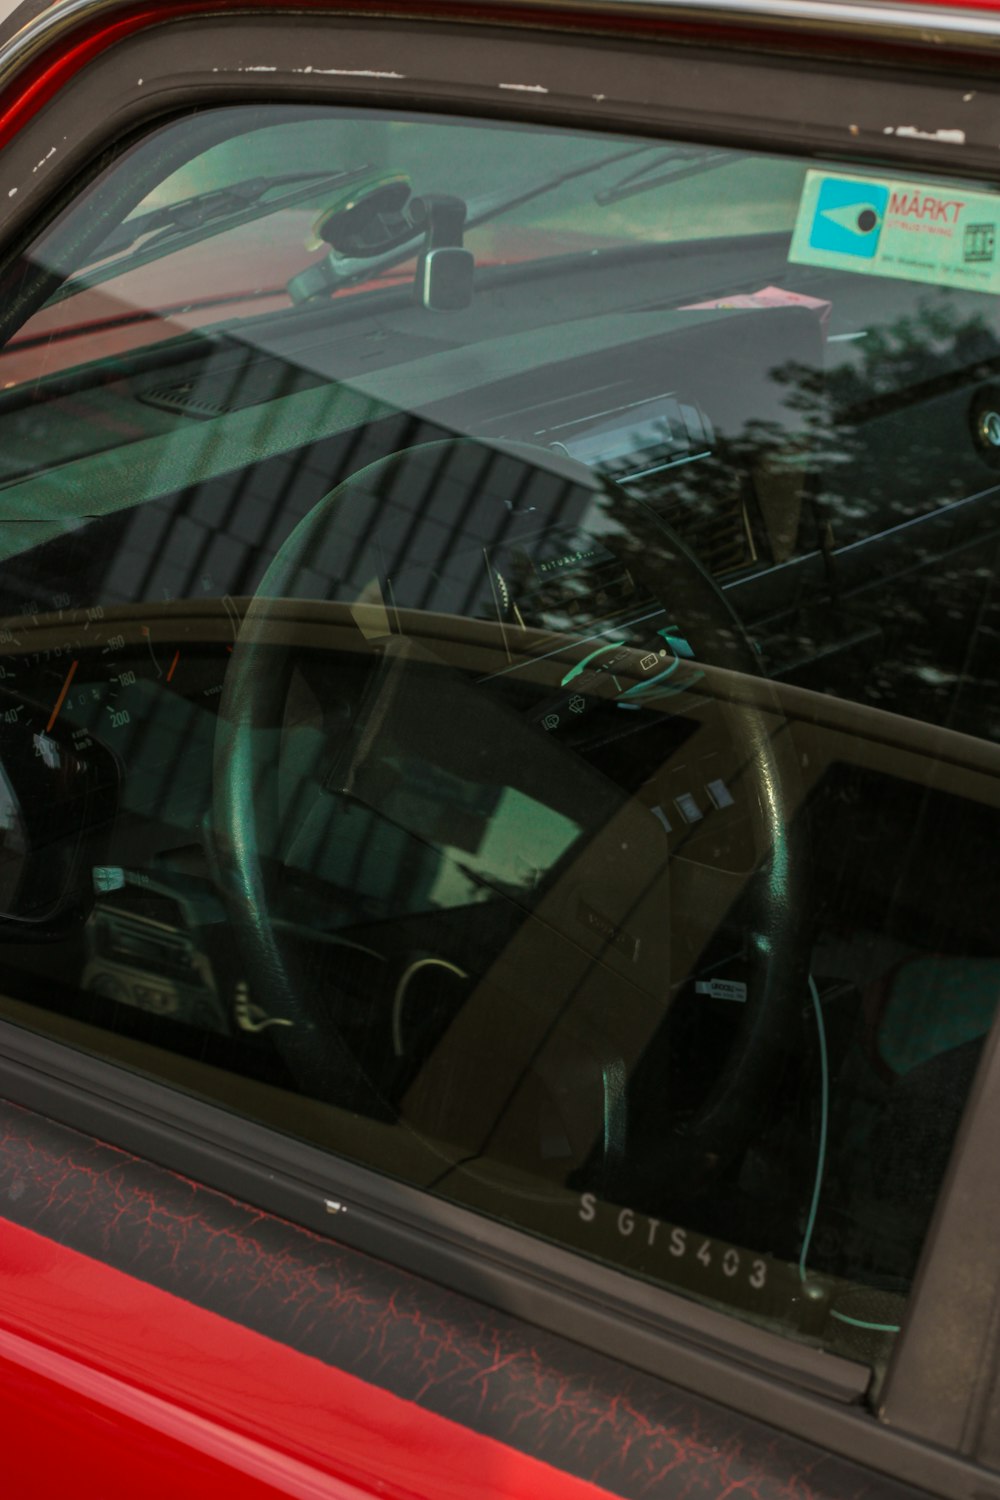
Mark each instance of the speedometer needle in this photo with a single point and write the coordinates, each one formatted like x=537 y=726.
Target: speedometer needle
x=62 y=696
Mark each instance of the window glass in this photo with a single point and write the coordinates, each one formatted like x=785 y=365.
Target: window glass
x=497 y=675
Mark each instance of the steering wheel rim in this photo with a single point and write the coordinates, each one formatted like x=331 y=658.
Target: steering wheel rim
x=245 y=819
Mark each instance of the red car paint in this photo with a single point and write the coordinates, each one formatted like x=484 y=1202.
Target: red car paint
x=195 y=1399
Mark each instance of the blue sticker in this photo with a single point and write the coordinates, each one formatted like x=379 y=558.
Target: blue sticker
x=943 y=234
x=848 y=217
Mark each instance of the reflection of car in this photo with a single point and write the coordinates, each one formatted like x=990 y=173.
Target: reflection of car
x=499 y=784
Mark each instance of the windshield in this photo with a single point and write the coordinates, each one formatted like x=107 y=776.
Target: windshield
x=239 y=221
x=496 y=671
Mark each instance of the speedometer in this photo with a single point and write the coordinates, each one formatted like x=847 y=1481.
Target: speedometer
x=73 y=667
x=93 y=667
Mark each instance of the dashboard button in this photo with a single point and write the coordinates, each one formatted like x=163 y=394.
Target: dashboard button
x=688 y=808
x=720 y=794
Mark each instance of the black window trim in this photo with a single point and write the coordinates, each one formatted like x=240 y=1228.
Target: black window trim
x=935 y=1399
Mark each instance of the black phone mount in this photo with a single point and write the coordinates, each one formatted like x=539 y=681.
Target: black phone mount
x=381 y=218
x=444 y=268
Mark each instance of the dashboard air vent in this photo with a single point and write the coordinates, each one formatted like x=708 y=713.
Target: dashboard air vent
x=216 y=387
x=184 y=398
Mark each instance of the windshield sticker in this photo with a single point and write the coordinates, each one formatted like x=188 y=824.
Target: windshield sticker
x=945 y=236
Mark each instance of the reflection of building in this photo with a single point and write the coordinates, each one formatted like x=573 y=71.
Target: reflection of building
x=415 y=835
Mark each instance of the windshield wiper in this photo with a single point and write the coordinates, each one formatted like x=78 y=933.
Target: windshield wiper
x=678 y=164
x=198 y=217
x=191 y=220
x=480 y=211
x=681 y=162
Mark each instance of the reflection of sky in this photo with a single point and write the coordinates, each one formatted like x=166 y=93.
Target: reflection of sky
x=521 y=841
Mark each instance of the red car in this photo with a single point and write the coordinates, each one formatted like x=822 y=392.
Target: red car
x=499 y=749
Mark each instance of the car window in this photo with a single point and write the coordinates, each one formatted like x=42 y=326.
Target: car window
x=497 y=675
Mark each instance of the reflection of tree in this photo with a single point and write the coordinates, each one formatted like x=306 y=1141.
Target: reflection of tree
x=877 y=446
x=877 y=440
x=890 y=441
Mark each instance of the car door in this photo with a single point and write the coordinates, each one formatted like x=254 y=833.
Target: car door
x=499 y=757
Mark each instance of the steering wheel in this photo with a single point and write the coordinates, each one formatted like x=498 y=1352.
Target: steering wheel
x=246 y=814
